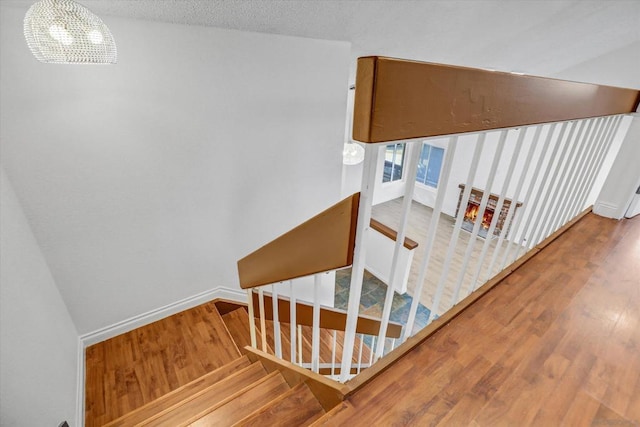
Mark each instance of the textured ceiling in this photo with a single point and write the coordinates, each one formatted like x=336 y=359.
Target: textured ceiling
x=541 y=37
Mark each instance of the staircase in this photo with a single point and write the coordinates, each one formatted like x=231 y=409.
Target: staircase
x=251 y=388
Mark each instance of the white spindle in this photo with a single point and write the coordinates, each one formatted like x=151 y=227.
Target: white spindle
x=360 y=353
x=569 y=188
x=277 y=338
x=410 y=183
x=263 y=323
x=315 y=334
x=560 y=182
x=333 y=353
x=532 y=184
x=539 y=208
x=579 y=173
x=300 y=345
x=454 y=236
x=252 y=321
x=497 y=211
x=443 y=181
x=357 y=269
x=594 y=144
x=609 y=137
x=514 y=202
x=476 y=225
x=550 y=197
x=292 y=320
x=373 y=344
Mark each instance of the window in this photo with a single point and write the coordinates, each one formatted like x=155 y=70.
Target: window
x=393 y=162
x=430 y=165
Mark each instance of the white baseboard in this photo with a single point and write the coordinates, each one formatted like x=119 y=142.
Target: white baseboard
x=607 y=210
x=160 y=313
x=137 y=321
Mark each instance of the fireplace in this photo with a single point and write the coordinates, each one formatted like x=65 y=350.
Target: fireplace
x=473 y=209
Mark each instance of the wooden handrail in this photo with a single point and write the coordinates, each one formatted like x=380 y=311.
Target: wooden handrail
x=330 y=318
x=398 y=99
x=325 y=242
x=392 y=234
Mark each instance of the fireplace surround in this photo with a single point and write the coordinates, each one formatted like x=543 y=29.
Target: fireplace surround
x=473 y=207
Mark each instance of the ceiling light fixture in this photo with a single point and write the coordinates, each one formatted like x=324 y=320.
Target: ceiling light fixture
x=352 y=153
x=65 y=32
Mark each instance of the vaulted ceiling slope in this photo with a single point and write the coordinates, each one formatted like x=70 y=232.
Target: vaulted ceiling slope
x=540 y=37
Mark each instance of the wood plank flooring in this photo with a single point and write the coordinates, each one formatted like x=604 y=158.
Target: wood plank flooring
x=389 y=213
x=132 y=369
x=556 y=343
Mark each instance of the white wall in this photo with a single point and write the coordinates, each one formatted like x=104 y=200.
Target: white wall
x=620 y=186
x=144 y=182
x=39 y=349
x=619 y=67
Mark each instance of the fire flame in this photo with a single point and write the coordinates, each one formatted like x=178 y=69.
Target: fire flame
x=472 y=213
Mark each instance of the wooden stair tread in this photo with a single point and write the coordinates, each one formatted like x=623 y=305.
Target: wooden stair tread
x=180 y=394
x=325 y=419
x=296 y=407
x=244 y=403
x=148 y=362
x=237 y=322
x=204 y=400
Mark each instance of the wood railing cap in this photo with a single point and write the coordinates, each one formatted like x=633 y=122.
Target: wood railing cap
x=392 y=234
x=400 y=99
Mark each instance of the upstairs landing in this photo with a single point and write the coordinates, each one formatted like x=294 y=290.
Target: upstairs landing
x=556 y=343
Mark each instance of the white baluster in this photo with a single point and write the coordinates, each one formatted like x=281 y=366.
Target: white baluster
x=525 y=203
x=453 y=241
x=263 y=326
x=478 y=221
x=360 y=353
x=609 y=137
x=550 y=196
x=497 y=212
x=514 y=203
x=292 y=320
x=315 y=338
x=252 y=321
x=410 y=183
x=535 y=207
x=559 y=182
x=333 y=353
x=276 y=321
x=443 y=181
x=587 y=145
x=357 y=269
x=300 y=345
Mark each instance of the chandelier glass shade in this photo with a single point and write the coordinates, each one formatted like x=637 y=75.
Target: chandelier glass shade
x=65 y=32
x=352 y=153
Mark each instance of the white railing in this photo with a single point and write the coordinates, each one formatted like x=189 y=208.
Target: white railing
x=568 y=157
x=306 y=335
x=534 y=178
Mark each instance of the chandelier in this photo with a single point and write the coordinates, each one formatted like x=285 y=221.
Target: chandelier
x=65 y=32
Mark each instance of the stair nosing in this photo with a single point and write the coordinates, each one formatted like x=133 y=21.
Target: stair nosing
x=198 y=394
x=231 y=397
x=241 y=359
x=279 y=398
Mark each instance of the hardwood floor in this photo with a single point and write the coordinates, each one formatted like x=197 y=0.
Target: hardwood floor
x=556 y=343
x=132 y=369
x=390 y=214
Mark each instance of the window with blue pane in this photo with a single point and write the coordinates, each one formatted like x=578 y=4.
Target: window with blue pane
x=430 y=165
x=393 y=162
